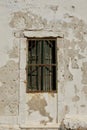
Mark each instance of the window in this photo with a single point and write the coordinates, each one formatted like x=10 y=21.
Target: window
x=41 y=70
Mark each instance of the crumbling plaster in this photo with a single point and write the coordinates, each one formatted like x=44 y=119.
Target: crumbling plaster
x=58 y=17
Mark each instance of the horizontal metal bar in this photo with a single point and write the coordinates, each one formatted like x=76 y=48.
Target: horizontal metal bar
x=36 y=39
x=41 y=65
x=41 y=91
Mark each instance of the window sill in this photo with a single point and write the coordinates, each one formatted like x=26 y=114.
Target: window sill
x=25 y=126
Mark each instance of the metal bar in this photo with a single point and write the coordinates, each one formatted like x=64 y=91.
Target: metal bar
x=52 y=39
x=39 y=91
x=45 y=61
x=30 y=69
x=39 y=80
x=54 y=67
x=30 y=80
x=50 y=44
x=47 y=88
x=42 y=58
x=42 y=45
x=36 y=63
x=45 y=51
x=33 y=74
x=51 y=71
x=41 y=65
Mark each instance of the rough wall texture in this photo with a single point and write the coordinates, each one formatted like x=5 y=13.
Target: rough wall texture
x=9 y=89
x=56 y=16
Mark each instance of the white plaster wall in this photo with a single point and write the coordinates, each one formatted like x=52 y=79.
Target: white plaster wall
x=67 y=17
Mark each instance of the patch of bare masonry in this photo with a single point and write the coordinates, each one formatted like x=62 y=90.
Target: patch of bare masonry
x=38 y=104
x=9 y=89
x=14 y=52
x=27 y=20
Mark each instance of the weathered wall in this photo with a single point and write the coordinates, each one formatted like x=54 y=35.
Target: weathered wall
x=59 y=17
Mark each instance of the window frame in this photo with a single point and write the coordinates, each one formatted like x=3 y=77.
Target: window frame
x=41 y=91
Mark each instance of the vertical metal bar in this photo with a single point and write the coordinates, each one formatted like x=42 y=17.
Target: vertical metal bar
x=47 y=80
x=27 y=65
x=45 y=62
x=36 y=43
x=30 y=60
x=44 y=67
x=34 y=76
x=42 y=63
x=39 y=61
x=39 y=58
x=42 y=45
x=45 y=50
x=50 y=86
x=54 y=67
x=55 y=63
x=47 y=66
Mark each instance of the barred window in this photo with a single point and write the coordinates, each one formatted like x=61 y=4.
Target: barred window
x=41 y=70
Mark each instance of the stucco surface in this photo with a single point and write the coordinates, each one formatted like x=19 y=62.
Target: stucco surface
x=66 y=20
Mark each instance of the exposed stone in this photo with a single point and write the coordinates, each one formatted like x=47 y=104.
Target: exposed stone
x=84 y=71
x=48 y=19
x=38 y=104
x=74 y=64
x=27 y=20
x=76 y=89
x=85 y=89
x=14 y=52
x=9 y=95
x=75 y=98
x=66 y=109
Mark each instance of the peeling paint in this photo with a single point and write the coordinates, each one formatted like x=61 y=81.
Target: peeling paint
x=14 y=52
x=84 y=68
x=44 y=18
x=9 y=79
x=85 y=90
x=76 y=89
x=66 y=109
x=38 y=103
x=75 y=98
x=75 y=64
x=26 y=20
x=82 y=105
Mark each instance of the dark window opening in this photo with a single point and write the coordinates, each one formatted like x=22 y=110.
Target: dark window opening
x=41 y=70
